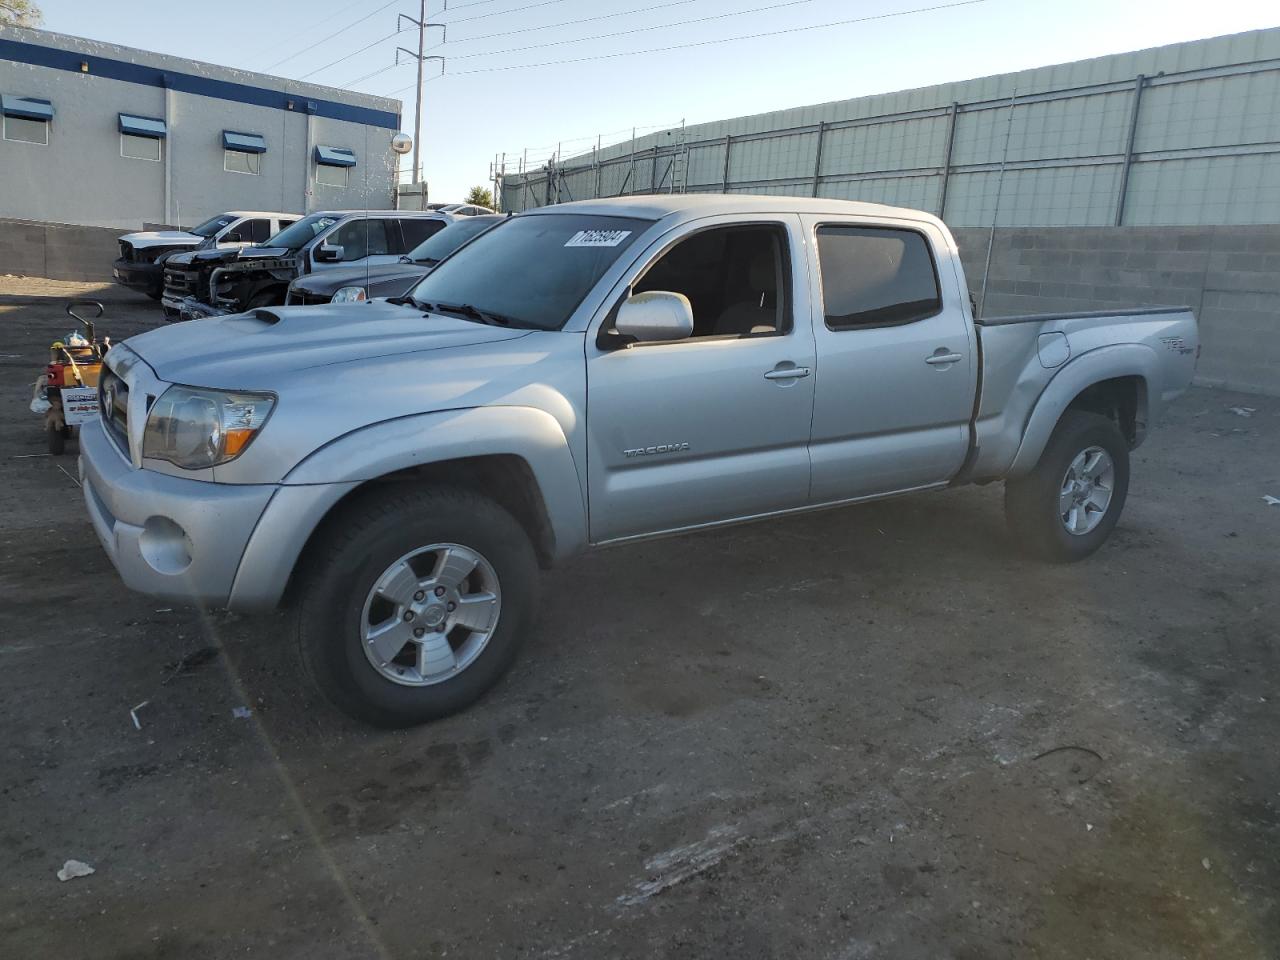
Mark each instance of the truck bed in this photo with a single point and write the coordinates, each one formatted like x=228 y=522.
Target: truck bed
x=1025 y=358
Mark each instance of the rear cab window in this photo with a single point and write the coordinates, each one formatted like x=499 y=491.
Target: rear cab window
x=416 y=230
x=876 y=276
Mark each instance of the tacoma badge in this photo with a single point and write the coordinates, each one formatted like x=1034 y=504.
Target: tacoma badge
x=660 y=448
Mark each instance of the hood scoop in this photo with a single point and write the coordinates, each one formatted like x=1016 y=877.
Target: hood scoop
x=269 y=317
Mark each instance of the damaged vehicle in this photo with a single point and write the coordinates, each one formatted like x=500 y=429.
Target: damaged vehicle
x=140 y=265
x=588 y=374
x=205 y=283
x=346 y=284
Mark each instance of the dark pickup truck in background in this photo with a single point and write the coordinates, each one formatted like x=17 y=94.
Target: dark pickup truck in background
x=346 y=284
x=207 y=283
x=143 y=255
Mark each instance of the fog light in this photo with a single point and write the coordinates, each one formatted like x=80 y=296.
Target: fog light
x=165 y=546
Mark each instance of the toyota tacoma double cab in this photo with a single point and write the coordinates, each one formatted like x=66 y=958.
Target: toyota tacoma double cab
x=140 y=265
x=397 y=471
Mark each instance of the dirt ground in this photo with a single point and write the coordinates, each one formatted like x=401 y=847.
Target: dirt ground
x=871 y=733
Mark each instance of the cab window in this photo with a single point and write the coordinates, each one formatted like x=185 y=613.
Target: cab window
x=874 y=277
x=736 y=279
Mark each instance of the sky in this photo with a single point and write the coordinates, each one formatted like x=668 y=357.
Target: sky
x=496 y=95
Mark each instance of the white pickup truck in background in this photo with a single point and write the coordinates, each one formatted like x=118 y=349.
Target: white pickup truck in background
x=592 y=373
x=142 y=254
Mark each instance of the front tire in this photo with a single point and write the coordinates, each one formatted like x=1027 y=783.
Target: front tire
x=1065 y=509
x=414 y=603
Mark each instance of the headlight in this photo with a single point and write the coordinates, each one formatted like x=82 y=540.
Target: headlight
x=349 y=295
x=195 y=429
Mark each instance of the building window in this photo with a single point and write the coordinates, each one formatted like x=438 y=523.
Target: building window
x=239 y=161
x=332 y=176
x=141 y=137
x=333 y=165
x=140 y=148
x=26 y=131
x=25 y=119
x=242 y=152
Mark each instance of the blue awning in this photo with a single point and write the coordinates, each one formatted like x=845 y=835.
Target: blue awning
x=142 y=126
x=244 y=142
x=335 y=157
x=29 y=108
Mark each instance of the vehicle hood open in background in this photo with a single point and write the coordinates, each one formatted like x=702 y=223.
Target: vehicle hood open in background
x=254 y=351
x=161 y=238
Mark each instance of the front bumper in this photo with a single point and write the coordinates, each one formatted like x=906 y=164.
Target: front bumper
x=171 y=537
x=189 y=308
x=139 y=276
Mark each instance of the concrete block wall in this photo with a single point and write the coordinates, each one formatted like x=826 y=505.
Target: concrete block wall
x=1229 y=275
x=57 y=252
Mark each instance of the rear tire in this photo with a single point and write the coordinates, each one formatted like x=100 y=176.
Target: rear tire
x=371 y=606
x=1065 y=509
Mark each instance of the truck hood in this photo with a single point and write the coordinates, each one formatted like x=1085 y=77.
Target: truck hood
x=162 y=238
x=330 y=281
x=255 y=351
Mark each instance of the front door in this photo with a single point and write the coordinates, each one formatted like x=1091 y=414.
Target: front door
x=714 y=427
x=898 y=365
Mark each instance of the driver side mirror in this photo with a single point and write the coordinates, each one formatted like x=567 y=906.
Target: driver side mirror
x=328 y=254
x=656 y=315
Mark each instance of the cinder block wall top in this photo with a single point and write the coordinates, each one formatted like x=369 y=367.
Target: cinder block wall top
x=1229 y=275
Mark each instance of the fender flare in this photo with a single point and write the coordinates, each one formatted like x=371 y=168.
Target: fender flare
x=1080 y=373
x=312 y=488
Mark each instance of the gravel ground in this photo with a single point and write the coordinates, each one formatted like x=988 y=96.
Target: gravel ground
x=871 y=733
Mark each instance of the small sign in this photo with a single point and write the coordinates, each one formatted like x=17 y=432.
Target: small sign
x=598 y=238
x=79 y=405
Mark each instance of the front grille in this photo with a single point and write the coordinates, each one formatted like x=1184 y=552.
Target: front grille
x=181 y=283
x=113 y=405
x=304 y=299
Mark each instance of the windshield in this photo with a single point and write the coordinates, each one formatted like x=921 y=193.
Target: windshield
x=298 y=235
x=547 y=264
x=438 y=246
x=212 y=225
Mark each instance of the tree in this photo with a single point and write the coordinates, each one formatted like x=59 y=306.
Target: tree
x=20 y=13
x=480 y=196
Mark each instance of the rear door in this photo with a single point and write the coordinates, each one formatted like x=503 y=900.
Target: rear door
x=256 y=231
x=714 y=427
x=364 y=240
x=897 y=364
x=414 y=230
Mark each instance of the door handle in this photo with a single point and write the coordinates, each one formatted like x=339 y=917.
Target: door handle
x=787 y=373
x=939 y=358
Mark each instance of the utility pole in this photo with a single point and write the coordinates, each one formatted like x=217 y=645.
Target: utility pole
x=421 y=57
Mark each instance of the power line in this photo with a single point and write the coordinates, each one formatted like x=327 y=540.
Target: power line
x=334 y=63
x=507 y=33
x=708 y=43
x=319 y=23
x=336 y=33
x=390 y=66
x=569 y=23
x=496 y=13
x=624 y=33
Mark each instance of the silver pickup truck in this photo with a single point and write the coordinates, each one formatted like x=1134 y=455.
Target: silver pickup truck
x=397 y=471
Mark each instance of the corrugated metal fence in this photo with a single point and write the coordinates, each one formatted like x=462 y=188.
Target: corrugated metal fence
x=1186 y=134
